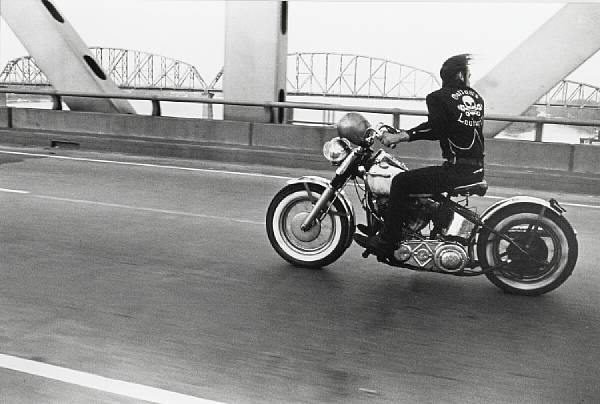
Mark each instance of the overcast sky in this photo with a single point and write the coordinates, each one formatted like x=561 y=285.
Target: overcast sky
x=420 y=34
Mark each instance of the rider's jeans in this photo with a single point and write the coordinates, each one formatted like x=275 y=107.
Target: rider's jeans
x=426 y=180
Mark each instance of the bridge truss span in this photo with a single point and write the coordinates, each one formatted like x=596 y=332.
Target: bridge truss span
x=128 y=69
x=22 y=71
x=568 y=93
x=323 y=74
x=348 y=75
x=137 y=69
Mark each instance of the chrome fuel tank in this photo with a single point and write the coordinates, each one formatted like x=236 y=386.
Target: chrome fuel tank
x=380 y=175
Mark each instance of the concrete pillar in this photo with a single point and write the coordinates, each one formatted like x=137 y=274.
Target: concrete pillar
x=557 y=48
x=255 y=58
x=61 y=54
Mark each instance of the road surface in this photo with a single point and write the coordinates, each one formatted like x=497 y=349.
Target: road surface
x=127 y=279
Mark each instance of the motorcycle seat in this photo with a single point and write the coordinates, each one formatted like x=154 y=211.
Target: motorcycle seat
x=478 y=188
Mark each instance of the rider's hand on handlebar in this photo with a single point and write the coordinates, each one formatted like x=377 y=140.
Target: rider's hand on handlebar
x=389 y=139
x=382 y=127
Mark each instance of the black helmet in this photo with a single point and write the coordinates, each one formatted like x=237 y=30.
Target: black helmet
x=353 y=126
x=454 y=65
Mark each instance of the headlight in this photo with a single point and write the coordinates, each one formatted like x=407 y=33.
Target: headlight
x=336 y=150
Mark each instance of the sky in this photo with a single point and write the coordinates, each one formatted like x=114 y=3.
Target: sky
x=420 y=34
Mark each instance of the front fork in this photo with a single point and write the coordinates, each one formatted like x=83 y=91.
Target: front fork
x=322 y=202
x=342 y=175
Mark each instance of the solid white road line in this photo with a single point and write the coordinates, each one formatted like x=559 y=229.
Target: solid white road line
x=581 y=205
x=121 y=206
x=126 y=163
x=13 y=191
x=208 y=170
x=165 y=211
x=578 y=205
x=104 y=384
x=181 y=213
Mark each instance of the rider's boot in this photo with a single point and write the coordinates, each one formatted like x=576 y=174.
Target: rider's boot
x=380 y=244
x=368 y=230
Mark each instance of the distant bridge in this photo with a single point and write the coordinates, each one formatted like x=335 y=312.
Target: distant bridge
x=309 y=74
x=344 y=75
x=322 y=74
x=128 y=69
x=569 y=93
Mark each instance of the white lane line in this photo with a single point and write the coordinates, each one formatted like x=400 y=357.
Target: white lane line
x=181 y=213
x=580 y=205
x=14 y=191
x=199 y=215
x=208 y=170
x=126 y=163
x=165 y=211
x=105 y=384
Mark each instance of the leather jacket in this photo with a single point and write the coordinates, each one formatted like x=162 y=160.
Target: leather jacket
x=455 y=118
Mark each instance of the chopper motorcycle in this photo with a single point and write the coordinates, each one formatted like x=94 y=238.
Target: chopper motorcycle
x=524 y=245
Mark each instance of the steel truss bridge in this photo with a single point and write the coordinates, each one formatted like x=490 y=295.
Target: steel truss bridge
x=323 y=74
x=128 y=69
x=344 y=75
x=309 y=74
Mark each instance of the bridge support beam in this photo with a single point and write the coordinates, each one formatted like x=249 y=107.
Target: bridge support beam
x=61 y=54
x=529 y=72
x=255 y=58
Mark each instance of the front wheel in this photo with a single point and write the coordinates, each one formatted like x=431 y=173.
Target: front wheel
x=549 y=243
x=321 y=245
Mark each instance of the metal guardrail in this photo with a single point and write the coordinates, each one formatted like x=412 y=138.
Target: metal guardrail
x=274 y=107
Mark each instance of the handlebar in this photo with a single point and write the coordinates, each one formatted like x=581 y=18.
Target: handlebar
x=375 y=133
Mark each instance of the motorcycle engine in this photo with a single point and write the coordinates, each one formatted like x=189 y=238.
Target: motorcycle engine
x=421 y=211
x=432 y=255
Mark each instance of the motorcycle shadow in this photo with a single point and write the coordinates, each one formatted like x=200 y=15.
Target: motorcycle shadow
x=387 y=291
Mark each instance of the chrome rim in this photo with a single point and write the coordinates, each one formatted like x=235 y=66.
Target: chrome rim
x=314 y=244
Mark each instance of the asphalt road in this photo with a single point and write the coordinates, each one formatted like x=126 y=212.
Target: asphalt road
x=159 y=273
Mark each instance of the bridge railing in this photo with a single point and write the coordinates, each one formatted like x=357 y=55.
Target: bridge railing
x=275 y=108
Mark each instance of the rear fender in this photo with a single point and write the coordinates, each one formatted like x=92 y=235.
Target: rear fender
x=517 y=200
x=497 y=207
x=341 y=196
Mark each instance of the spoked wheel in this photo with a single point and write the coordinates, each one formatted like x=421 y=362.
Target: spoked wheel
x=542 y=256
x=320 y=245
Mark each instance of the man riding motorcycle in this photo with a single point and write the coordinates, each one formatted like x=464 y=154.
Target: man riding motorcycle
x=455 y=119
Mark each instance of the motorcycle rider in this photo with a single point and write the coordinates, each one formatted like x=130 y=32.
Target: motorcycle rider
x=455 y=119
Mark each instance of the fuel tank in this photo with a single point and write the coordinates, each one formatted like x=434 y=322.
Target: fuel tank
x=380 y=175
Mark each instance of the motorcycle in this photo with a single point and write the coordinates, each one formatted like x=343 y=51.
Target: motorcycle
x=524 y=245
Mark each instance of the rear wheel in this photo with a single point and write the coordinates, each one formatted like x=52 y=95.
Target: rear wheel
x=542 y=256
x=319 y=246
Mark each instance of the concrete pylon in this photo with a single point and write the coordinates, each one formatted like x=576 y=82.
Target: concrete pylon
x=530 y=71
x=255 y=58
x=61 y=54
